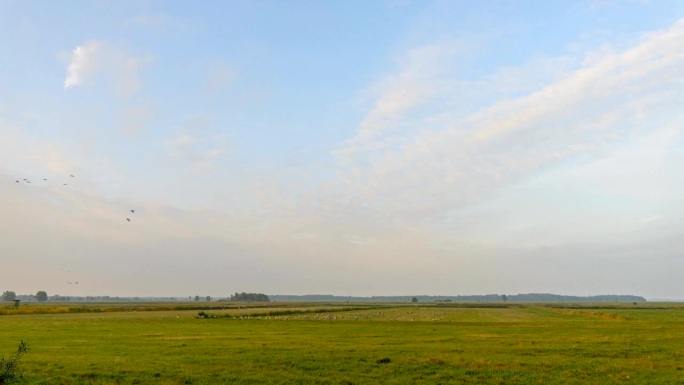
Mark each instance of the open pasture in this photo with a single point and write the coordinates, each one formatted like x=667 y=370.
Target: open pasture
x=350 y=344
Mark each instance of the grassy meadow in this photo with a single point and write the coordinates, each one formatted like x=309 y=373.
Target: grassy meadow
x=347 y=343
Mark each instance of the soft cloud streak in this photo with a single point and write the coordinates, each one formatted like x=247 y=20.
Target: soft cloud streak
x=198 y=143
x=417 y=82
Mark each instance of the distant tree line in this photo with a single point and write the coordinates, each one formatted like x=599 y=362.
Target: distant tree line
x=249 y=297
x=532 y=297
x=106 y=298
x=542 y=297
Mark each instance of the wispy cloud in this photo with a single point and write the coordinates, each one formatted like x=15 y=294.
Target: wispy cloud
x=612 y=96
x=652 y=218
x=198 y=143
x=219 y=76
x=158 y=21
x=418 y=81
x=28 y=157
x=135 y=117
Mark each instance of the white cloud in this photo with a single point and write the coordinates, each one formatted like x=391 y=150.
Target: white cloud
x=83 y=64
x=95 y=60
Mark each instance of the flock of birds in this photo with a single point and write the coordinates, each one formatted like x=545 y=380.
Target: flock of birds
x=66 y=184
x=28 y=181
x=45 y=179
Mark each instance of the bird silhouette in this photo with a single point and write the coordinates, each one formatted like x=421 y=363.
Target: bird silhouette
x=17 y=181
x=128 y=219
x=72 y=176
x=44 y=179
x=132 y=211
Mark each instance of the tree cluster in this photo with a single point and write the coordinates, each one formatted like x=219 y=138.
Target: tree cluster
x=9 y=295
x=249 y=297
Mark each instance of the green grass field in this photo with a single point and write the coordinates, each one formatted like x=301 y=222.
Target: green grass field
x=347 y=344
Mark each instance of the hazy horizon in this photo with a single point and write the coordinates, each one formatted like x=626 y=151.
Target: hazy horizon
x=202 y=297
x=354 y=148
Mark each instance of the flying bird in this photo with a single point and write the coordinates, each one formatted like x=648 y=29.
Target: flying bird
x=44 y=179
x=132 y=211
x=128 y=219
x=72 y=176
x=17 y=181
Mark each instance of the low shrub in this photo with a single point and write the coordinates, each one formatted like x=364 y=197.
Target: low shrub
x=8 y=367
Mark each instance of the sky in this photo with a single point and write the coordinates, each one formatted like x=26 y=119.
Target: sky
x=342 y=147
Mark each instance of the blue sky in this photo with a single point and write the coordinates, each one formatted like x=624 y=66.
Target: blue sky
x=351 y=148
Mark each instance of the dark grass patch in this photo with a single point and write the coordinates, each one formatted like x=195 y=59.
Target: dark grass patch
x=278 y=313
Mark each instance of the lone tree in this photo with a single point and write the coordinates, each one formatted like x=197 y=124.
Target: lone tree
x=9 y=296
x=414 y=299
x=41 y=296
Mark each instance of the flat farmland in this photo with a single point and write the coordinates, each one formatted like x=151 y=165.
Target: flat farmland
x=348 y=343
